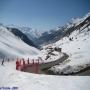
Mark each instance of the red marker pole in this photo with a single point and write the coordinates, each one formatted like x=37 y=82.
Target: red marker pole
x=20 y=66
x=20 y=62
x=28 y=61
x=33 y=62
x=17 y=64
x=23 y=63
x=37 y=66
x=34 y=65
x=38 y=61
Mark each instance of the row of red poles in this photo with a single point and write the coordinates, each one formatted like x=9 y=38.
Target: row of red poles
x=22 y=64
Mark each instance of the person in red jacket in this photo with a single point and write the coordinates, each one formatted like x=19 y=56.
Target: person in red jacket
x=28 y=61
x=20 y=62
x=17 y=64
x=23 y=63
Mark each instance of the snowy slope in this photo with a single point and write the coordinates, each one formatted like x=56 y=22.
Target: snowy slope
x=10 y=78
x=32 y=34
x=28 y=81
x=78 y=51
x=12 y=46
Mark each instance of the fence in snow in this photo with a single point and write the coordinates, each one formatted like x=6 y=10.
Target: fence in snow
x=21 y=64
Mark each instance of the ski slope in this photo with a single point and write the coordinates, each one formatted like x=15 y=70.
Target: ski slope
x=13 y=47
x=9 y=77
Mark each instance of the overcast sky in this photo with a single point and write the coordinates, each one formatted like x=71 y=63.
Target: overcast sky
x=41 y=14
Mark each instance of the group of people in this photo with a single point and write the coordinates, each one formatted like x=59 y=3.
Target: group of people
x=20 y=63
x=3 y=61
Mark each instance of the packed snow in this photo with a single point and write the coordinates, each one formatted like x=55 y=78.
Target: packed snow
x=10 y=78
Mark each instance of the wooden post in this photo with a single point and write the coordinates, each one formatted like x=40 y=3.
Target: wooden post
x=17 y=64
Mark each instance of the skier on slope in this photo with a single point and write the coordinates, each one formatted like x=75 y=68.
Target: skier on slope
x=23 y=63
x=17 y=65
x=2 y=62
x=28 y=61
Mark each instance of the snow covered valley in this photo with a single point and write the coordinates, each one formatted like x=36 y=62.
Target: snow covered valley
x=78 y=51
x=75 y=47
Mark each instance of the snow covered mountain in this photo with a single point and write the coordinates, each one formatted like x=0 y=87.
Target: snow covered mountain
x=32 y=34
x=56 y=34
x=77 y=47
x=21 y=35
x=75 y=43
x=12 y=46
